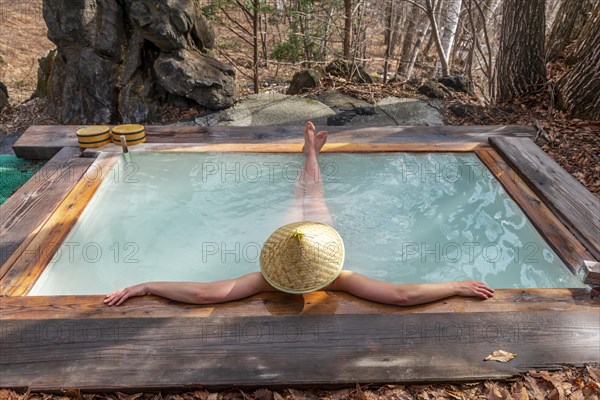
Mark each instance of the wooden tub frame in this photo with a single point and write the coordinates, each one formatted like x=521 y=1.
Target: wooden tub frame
x=275 y=339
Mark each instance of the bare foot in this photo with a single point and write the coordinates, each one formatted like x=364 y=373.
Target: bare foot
x=320 y=140
x=309 y=138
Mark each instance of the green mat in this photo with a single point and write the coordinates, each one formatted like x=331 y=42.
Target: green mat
x=14 y=172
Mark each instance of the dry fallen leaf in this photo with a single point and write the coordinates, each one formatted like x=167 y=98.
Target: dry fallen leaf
x=500 y=356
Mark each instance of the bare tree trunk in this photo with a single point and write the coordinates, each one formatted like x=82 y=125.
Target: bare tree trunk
x=347 y=28
x=447 y=39
x=521 y=63
x=567 y=25
x=390 y=35
x=436 y=37
x=255 y=22
x=579 y=89
x=421 y=34
x=407 y=46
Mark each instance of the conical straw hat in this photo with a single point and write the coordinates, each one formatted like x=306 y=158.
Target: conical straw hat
x=302 y=257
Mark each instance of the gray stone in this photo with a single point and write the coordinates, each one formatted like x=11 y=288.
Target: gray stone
x=457 y=83
x=431 y=90
x=348 y=70
x=270 y=109
x=402 y=111
x=195 y=76
x=123 y=61
x=339 y=100
x=278 y=110
x=341 y=119
x=303 y=80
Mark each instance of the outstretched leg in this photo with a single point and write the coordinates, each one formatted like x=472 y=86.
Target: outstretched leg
x=315 y=207
x=308 y=203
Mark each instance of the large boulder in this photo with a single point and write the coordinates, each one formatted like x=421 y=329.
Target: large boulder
x=3 y=96
x=123 y=61
x=457 y=83
x=348 y=70
x=303 y=80
x=432 y=90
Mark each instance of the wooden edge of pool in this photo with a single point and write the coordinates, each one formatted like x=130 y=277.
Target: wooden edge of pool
x=569 y=200
x=44 y=141
x=280 y=340
x=21 y=274
x=562 y=241
x=30 y=206
x=282 y=304
x=330 y=147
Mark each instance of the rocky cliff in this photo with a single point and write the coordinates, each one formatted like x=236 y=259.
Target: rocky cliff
x=121 y=60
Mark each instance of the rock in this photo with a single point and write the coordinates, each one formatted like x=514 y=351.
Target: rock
x=460 y=110
x=3 y=96
x=270 y=109
x=45 y=65
x=345 y=117
x=431 y=90
x=348 y=70
x=457 y=83
x=193 y=75
x=337 y=100
x=303 y=80
x=123 y=61
x=402 y=111
x=341 y=119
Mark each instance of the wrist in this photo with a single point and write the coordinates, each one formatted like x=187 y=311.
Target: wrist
x=455 y=288
x=146 y=288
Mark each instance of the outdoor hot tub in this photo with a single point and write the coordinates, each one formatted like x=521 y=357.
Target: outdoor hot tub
x=413 y=204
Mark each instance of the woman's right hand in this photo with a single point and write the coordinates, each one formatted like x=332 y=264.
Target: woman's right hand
x=473 y=289
x=118 y=297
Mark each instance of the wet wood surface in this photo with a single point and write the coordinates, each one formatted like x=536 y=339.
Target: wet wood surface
x=43 y=141
x=574 y=205
x=30 y=206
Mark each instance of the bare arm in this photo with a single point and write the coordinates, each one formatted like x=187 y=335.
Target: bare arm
x=409 y=294
x=195 y=292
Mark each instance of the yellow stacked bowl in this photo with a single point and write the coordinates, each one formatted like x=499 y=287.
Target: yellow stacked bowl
x=134 y=134
x=93 y=136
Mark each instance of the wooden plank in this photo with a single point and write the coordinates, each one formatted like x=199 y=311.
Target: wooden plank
x=281 y=304
x=335 y=147
x=23 y=273
x=173 y=353
x=574 y=205
x=28 y=208
x=43 y=141
x=562 y=241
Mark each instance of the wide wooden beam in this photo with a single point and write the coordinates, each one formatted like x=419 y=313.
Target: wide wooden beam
x=285 y=340
x=22 y=215
x=43 y=141
x=574 y=205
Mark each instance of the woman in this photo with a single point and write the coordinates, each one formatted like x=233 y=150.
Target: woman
x=308 y=205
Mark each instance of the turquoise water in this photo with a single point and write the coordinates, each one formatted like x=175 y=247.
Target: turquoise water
x=404 y=217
